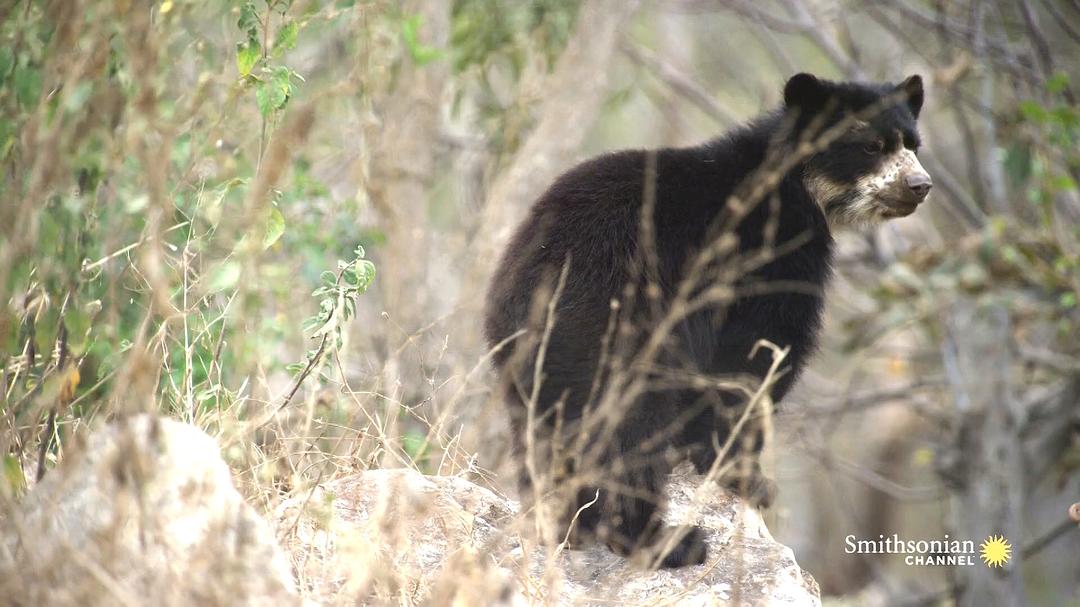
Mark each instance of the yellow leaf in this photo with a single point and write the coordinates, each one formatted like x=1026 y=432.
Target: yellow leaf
x=70 y=383
x=166 y=6
x=897 y=366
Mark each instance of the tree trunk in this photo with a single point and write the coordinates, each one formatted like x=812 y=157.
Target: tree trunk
x=403 y=168
x=987 y=464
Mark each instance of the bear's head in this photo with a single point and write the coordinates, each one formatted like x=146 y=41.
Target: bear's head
x=863 y=167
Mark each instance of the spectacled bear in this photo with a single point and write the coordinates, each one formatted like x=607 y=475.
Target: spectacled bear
x=626 y=312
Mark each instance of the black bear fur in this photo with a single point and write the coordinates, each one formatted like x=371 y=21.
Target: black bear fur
x=583 y=246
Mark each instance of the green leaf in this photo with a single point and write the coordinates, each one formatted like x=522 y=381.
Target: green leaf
x=77 y=323
x=365 y=274
x=273 y=92
x=282 y=76
x=7 y=61
x=247 y=55
x=27 y=85
x=224 y=277
x=349 y=278
x=45 y=332
x=1057 y=82
x=275 y=227
x=1062 y=183
x=13 y=475
x=1017 y=163
x=269 y=97
x=1010 y=254
x=410 y=34
x=415 y=444
x=1034 y=112
x=286 y=37
x=249 y=20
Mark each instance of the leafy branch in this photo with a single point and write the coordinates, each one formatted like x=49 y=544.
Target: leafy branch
x=337 y=307
x=274 y=84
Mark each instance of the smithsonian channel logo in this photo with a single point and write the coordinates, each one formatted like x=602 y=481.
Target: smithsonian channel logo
x=994 y=551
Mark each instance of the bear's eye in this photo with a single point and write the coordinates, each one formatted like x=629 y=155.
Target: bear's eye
x=874 y=147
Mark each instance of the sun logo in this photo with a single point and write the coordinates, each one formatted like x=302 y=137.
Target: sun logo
x=996 y=551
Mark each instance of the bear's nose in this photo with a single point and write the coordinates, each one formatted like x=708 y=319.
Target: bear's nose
x=919 y=184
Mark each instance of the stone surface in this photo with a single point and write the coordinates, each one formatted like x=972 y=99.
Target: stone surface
x=397 y=536
x=145 y=513
x=400 y=536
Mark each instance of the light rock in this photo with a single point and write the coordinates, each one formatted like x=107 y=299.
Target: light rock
x=144 y=514
x=399 y=536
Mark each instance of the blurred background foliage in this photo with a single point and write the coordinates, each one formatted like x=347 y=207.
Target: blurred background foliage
x=196 y=195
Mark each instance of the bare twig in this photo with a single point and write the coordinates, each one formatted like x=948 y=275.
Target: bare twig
x=678 y=81
x=1057 y=531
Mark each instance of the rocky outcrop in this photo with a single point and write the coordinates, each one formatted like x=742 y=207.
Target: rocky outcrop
x=400 y=536
x=145 y=513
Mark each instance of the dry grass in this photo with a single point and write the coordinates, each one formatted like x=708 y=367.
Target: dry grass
x=139 y=184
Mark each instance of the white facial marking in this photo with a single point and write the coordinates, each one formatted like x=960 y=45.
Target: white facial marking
x=869 y=189
x=822 y=189
x=859 y=211
x=893 y=167
x=864 y=206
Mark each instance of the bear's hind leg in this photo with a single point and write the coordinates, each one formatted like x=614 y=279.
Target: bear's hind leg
x=632 y=523
x=634 y=470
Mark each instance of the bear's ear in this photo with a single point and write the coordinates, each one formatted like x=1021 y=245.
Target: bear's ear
x=913 y=90
x=806 y=92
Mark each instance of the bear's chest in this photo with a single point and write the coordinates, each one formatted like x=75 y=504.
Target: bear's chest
x=781 y=302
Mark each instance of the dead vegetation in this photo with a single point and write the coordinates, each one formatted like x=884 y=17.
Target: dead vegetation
x=178 y=177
